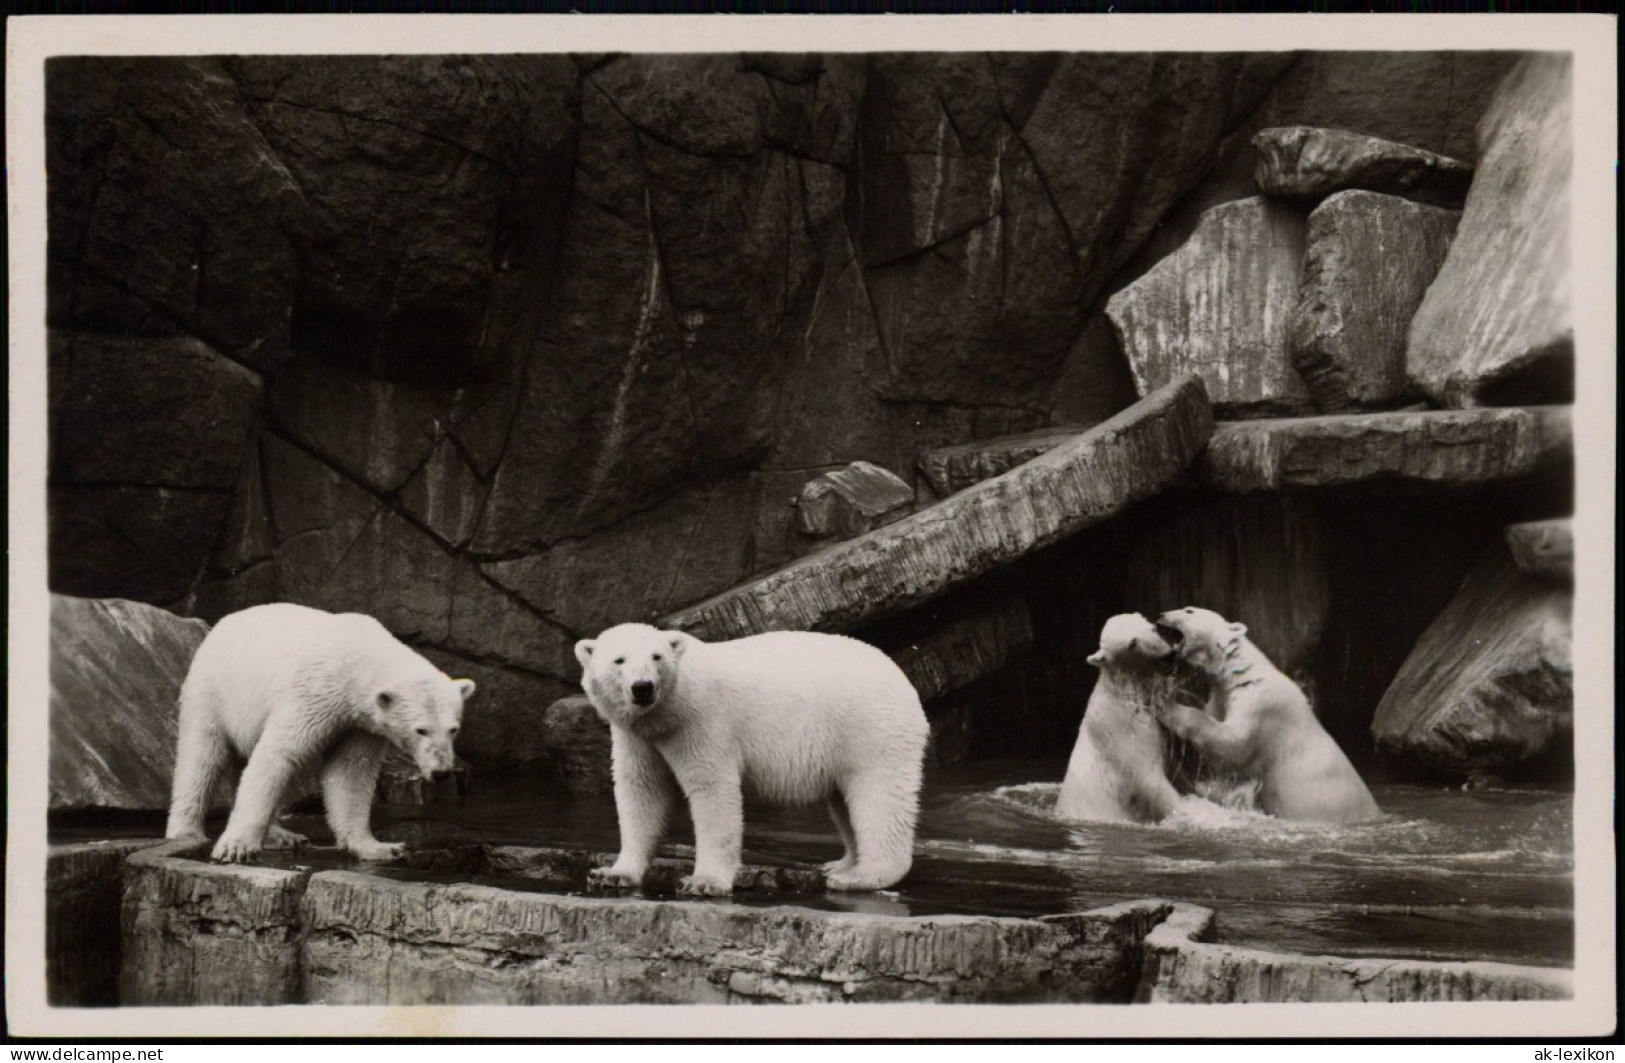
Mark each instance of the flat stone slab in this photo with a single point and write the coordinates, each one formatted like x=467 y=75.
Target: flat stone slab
x=850 y=501
x=116 y=674
x=1182 y=967
x=1083 y=482
x=1488 y=692
x=1434 y=448
x=1497 y=326
x=1368 y=263
x=951 y=469
x=966 y=650
x=1544 y=548
x=1219 y=307
x=1304 y=162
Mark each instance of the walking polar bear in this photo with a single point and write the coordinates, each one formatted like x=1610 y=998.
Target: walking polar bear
x=797 y=717
x=1264 y=725
x=291 y=689
x=1119 y=768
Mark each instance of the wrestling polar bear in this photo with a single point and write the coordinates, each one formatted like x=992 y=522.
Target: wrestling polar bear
x=1118 y=772
x=289 y=689
x=795 y=716
x=1264 y=725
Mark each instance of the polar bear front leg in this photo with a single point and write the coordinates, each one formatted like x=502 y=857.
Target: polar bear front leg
x=644 y=795
x=349 y=781
x=271 y=768
x=1230 y=742
x=718 y=808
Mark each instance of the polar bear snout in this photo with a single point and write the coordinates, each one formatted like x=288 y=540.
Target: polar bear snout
x=643 y=693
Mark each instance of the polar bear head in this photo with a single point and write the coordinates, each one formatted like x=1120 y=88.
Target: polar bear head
x=422 y=716
x=1205 y=639
x=630 y=669
x=1127 y=640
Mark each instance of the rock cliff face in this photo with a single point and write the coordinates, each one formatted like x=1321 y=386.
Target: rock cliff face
x=505 y=349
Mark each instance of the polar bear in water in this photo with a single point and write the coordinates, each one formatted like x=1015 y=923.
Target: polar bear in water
x=1266 y=727
x=1119 y=771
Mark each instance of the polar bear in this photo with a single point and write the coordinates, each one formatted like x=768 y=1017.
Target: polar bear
x=291 y=690
x=1265 y=726
x=794 y=716
x=1119 y=767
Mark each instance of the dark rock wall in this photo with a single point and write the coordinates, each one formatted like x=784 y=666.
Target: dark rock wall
x=504 y=349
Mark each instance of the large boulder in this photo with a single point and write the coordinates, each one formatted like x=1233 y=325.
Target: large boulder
x=1544 y=548
x=1488 y=692
x=1302 y=162
x=1219 y=307
x=1368 y=263
x=999 y=194
x=116 y=674
x=1496 y=327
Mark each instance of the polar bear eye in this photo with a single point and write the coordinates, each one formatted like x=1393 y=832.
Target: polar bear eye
x=424 y=731
x=620 y=660
x=453 y=730
x=657 y=656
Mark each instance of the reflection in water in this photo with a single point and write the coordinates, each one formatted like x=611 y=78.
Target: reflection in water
x=1445 y=875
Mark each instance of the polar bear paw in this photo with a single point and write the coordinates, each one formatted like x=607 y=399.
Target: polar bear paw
x=609 y=878
x=704 y=886
x=838 y=867
x=858 y=878
x=282 y=838
x=235 y=849
x=378 y=851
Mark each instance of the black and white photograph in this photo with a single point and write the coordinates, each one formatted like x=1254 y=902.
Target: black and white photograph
x=911 y=519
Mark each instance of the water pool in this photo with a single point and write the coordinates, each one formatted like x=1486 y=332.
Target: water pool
x=1446 y=875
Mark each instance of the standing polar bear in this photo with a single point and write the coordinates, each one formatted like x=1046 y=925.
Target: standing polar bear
x=1265 y=727
x=795 y=716
x=1119 y=767
x=289 y=689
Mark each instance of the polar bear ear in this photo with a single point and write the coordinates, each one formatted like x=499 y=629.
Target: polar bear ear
x=385 y=700
x=679 y=641
x=584 y=650
x=1238 y=629
x=1098 y=658
x=465 y=687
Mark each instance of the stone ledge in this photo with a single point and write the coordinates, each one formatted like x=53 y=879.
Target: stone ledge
x=1183 y=965
x=1079 y=483
x=1433 y=448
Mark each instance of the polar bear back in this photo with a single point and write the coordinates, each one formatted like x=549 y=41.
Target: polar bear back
x=261 y=657
x=802 y=710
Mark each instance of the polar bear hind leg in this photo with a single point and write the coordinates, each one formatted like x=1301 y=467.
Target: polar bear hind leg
x=201 y=755
x=882 y=807
x=849 y=841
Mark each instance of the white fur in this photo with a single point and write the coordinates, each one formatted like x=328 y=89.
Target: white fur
x=290 y=690
x=1268 y=729
x=1118 y=771
x=796 y=717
